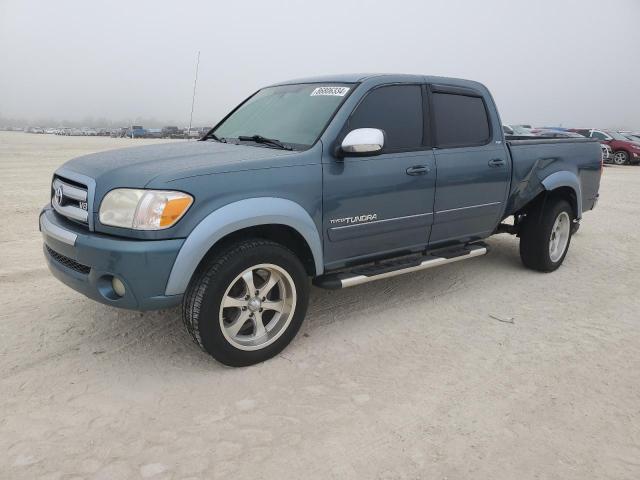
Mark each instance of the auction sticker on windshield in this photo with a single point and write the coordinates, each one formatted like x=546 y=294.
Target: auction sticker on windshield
x=331 y=91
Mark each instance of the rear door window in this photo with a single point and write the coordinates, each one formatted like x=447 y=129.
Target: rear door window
x=460 y=120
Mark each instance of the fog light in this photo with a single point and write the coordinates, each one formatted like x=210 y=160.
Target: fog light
x=118 y=286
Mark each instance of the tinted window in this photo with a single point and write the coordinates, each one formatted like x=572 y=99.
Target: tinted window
x=460 y=120
x=397 y=110
x=598 y=135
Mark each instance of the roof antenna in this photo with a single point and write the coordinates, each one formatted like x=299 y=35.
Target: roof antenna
x=193 y=98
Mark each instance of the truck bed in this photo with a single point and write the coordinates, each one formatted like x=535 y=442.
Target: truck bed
x=536 y=159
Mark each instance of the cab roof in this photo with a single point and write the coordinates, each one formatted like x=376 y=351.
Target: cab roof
x=382 y=78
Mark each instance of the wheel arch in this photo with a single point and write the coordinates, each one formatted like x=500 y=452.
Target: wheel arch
x=566 y=185
x=625 y=150
x=277 y=219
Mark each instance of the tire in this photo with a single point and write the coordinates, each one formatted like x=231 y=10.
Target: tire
x=543 y=228
x=620 y=157
x=238 y=327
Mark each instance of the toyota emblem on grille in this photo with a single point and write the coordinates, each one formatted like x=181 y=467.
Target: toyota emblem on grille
x=59 y=195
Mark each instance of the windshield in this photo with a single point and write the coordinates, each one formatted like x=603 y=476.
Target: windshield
x=616 y=136
x=293 y=114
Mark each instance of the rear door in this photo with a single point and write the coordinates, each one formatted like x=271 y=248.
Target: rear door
x=381 y=205
x=473 y=166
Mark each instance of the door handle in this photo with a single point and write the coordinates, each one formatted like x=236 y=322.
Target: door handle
x=418 y=170
x=496 y=162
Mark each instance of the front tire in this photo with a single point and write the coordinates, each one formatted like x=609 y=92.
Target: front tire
x=620 y=157
x=545 y=236
x=247 y=302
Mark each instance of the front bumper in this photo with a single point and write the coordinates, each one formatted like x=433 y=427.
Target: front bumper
x=88 y=261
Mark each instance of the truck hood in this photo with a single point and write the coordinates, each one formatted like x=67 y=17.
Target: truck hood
x=138 y=166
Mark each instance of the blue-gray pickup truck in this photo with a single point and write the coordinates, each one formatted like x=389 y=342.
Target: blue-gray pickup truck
x=339 y=179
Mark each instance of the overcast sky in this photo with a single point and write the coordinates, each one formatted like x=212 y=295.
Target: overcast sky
x=547 y=62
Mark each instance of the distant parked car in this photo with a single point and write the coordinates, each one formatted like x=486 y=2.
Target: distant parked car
x=624 y=150
x=136 y=131
x=118 y=132
x=153 y=133
x=196 y=132
x=35 y=130
x=631 y=136
x=89 y=132
x=171 y=132
x=517 y=131
x=607 y=153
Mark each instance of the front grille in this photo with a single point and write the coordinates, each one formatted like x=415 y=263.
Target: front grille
x=68 y=262
x=70 y=199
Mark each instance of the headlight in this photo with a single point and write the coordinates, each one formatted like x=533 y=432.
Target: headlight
x=143 y=209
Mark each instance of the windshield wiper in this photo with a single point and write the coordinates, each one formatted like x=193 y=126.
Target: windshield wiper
x=213 y=136
x=267 y=141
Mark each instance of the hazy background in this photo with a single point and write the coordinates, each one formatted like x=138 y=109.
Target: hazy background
x=546 y=62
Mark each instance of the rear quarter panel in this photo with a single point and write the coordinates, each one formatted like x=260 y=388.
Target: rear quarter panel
x=533 y=161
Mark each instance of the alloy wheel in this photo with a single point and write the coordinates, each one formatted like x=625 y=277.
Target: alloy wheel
x=257 y=307
x=620 y=158
x=559 y=236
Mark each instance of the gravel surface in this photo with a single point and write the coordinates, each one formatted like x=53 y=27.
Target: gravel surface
x=478 y=369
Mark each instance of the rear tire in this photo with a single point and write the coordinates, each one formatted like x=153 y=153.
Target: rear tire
x=247 y=302
x=545 y=235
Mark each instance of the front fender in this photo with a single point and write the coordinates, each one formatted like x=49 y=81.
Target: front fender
x=236 y=216
x=569 y=179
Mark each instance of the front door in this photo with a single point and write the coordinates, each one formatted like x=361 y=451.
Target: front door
x=381 y=205
x=473 y=169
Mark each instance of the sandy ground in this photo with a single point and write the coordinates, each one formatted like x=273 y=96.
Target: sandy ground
x=407 y=378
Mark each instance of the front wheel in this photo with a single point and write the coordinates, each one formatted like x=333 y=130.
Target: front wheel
x=247 y=302
x=620 y=157
x=545 y=236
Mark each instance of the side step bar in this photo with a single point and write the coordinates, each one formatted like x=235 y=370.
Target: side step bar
x=365 y=275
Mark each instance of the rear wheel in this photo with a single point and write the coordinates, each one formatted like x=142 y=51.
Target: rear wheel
x=620 y=157
x=545 y=235
x=247 y=303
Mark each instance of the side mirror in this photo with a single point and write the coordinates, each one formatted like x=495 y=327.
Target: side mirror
x=362 y=142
